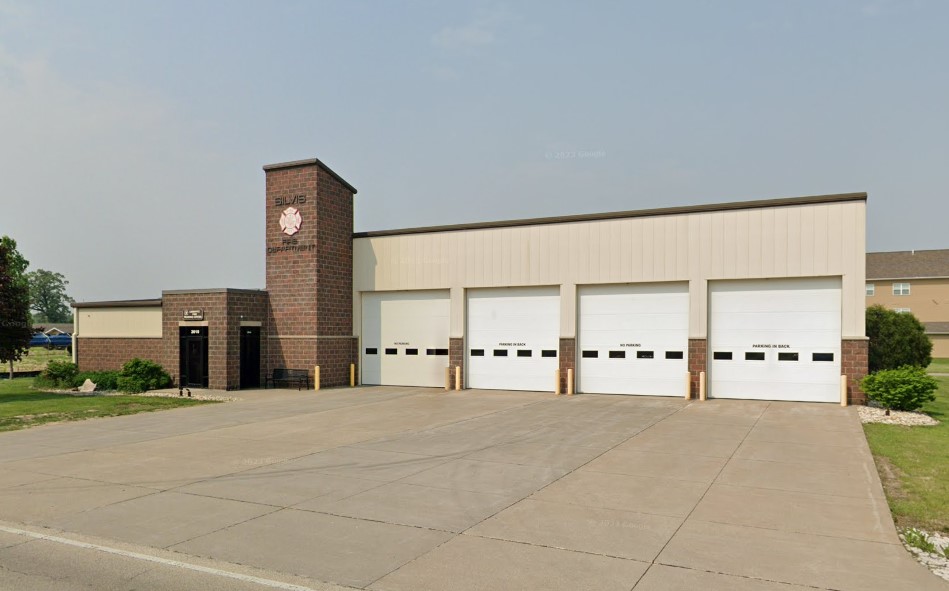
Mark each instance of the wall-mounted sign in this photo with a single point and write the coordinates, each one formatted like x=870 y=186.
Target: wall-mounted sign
x=290 y=221
x=771 y=346
x=194 y=315
x=294 y=200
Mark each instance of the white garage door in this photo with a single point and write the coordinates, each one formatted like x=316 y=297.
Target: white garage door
x=405 y=338
x=634 y=339
x=775 y=339
x=513 y=338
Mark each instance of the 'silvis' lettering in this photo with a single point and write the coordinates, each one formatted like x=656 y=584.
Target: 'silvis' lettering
x=284 y=201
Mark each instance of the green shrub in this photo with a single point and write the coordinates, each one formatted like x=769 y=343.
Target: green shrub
x=141 y=375
x=131 y=385
x=906 y=388
x=104 y=380
x=896 y=339
x=58 y=374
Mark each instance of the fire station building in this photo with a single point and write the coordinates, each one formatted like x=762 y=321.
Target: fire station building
x=765 y=297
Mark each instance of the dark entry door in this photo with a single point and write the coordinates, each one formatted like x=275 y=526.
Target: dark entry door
x=193 y=356
x=250 y=357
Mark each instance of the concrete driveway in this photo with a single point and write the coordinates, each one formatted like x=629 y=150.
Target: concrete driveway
x=415 y=489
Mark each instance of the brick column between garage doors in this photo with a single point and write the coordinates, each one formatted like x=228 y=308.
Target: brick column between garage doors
x=568 y=360
x=698 y=361
x=456 y=358
x=854 y=362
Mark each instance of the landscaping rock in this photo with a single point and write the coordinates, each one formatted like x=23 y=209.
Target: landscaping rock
x=874 y=414
x=87 y=386
x=938 y=563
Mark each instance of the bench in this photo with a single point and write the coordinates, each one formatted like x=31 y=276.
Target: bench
x=282 y=375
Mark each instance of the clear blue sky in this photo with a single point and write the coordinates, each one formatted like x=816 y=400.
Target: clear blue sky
x=132 y=134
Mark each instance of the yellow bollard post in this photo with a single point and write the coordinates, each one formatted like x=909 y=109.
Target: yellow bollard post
x=569 y=381
x=557 y=382
x=688 y=386
x=702 y=385
x=316 y=377
x=352 y=375
x=447 y=378
x=457 y=377
x=843 y=390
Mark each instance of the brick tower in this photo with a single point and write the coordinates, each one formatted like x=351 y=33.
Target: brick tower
x=309 y=239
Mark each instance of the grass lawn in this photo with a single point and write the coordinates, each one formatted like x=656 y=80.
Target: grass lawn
x=939 y=365
x=21 y=406
x=37 y=359
x=914 y=466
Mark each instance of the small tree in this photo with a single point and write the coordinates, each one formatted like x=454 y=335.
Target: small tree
x=906 y=388
x=48 y=296
x=896 y=339
x=15 y=331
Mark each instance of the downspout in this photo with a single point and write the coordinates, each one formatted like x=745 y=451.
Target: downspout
x=75 y=335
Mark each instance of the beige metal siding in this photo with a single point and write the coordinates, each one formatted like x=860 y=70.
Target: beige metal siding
x=118 y=322
x=814 y=240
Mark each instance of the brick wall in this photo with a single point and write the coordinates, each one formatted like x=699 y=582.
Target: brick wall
x=310 y=274
x=214 y=305
x=334 y=271
x=456 y=358
x=224 y=309
x=244 y=306
x=854 y=364
x=568 y=360
x=698 y=361
x=111 y=354
x=334 y=355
